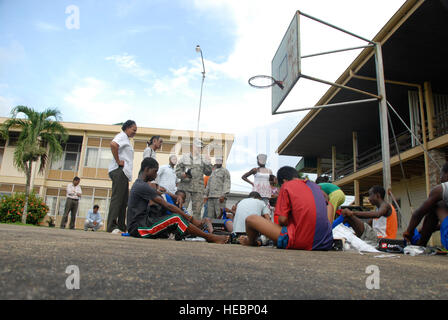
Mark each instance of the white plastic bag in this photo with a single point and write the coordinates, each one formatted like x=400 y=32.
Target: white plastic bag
x=341 y=231
x=414 y=250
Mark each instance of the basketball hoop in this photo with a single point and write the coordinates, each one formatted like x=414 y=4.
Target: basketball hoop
x=263 y=82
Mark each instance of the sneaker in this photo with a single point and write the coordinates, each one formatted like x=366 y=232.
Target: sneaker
x=116 y=231
x=264 y=240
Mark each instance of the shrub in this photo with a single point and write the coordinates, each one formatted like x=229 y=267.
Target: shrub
x=11 y=208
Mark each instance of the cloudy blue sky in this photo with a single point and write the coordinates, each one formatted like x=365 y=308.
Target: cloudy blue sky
x=137 y=60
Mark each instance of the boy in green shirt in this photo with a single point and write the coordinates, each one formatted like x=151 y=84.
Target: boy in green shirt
x=335 y=195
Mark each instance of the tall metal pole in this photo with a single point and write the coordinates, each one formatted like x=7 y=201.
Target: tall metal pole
x=198 y=48
x=384 y=128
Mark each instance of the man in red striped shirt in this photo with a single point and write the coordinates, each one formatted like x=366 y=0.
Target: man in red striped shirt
x=147 y=216
x=302 y=215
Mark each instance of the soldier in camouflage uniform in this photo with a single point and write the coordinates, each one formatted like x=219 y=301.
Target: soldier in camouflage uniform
x=218 y=187
x=197 y=165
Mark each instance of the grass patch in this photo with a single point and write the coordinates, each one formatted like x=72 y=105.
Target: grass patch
x=22 y=224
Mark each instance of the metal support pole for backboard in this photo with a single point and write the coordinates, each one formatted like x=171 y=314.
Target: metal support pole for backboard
x=334 y=51
x=384 y=127
x=335 y=27
x=339 y=86
x=339 y=104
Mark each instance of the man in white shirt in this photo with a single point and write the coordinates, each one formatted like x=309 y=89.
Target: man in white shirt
x=74 y=193
x=120 y=172
x=166 y=176
x=253 y=205
x=93 y=219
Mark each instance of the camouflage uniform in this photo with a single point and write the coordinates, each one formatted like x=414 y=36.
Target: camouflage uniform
x=194 y=187
x=218 y=186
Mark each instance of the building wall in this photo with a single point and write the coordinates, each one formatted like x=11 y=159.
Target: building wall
x=7 y=166
x=417 y=191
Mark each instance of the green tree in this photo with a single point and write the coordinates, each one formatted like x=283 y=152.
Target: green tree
x=40 y=138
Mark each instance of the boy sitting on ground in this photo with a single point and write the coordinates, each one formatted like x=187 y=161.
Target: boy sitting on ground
x=253 y=205
x=227 y=216
x=335 y=196
x=434 y=212
x=204 y=224
x=143 y=221
x=383 y=223
x=302 y=215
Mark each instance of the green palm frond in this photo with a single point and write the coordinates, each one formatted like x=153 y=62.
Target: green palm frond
x=36 y=129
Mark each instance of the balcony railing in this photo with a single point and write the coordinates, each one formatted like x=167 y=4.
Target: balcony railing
x=441 y=123
x=373 y=156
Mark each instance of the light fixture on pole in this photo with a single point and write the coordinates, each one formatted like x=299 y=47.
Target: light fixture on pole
x=199 y=50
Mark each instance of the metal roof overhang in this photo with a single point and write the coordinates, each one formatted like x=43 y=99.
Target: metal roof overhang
x=414 y=51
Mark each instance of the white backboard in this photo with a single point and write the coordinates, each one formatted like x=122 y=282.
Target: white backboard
x=286 y=63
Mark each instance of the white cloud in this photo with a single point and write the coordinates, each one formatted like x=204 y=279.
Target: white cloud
x=99 y=100
x=45 y=26
x=135 y=30
x=128 y=63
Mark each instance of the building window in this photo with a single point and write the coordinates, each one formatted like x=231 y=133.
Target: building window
x=10 y=189
x=70 y=158
x=13 y=138
x=62 y=201
x=91 y=158
x=98 y=154
x=51 y=202
x=85 y=203
x=98 y=158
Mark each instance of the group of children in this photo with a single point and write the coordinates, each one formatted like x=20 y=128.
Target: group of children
x=303 y=216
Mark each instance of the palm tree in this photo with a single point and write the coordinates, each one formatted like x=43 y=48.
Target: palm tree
x=40 y=138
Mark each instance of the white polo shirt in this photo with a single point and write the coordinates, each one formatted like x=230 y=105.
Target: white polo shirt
x=245 y=208
x=72 y=191
x=125 y=153
x=166 y=177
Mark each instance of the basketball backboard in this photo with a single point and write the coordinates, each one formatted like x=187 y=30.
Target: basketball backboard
x=286 y=63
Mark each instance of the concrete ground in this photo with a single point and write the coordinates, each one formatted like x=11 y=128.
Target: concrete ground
x=33 y=262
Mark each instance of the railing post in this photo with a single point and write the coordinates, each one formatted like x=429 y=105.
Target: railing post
x=319 y=167
x=333 y=163
x=425 y=139
x=429 y=108
x=355 y=167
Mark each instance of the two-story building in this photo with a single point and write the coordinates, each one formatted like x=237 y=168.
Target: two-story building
x=87 y=155
x=345 y=142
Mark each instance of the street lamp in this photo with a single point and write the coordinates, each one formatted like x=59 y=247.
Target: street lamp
x=199 y=50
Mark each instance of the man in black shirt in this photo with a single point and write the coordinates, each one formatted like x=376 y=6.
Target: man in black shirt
x=147 y=216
